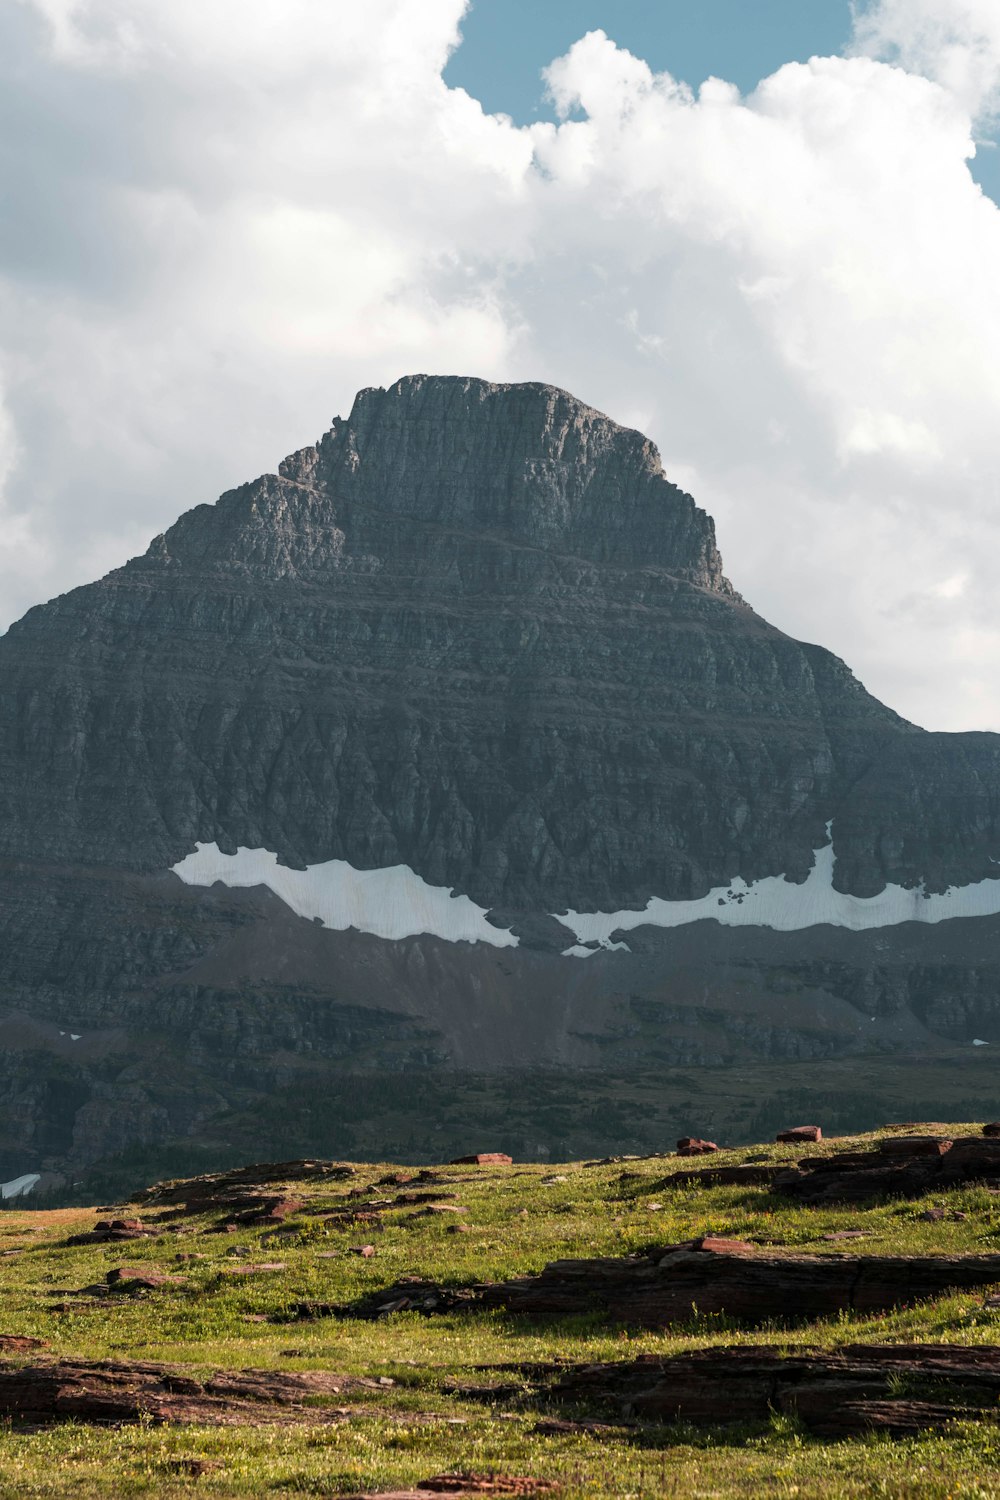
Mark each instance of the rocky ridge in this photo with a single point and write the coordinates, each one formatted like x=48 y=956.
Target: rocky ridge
x=474 y=631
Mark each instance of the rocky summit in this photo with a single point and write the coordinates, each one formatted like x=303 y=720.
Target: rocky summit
x=449 y=751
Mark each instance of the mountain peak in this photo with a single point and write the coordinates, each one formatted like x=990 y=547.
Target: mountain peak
x=329 y=781
x=434 y=456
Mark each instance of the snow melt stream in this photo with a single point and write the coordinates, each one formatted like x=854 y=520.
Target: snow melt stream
x=780 y=904
x=391 y=903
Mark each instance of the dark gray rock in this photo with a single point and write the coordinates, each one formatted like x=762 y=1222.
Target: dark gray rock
x=474 y=630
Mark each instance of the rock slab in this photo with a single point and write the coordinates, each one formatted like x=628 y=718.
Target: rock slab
x=897 y=1389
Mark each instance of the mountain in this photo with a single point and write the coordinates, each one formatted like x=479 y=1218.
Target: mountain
x=327 y=792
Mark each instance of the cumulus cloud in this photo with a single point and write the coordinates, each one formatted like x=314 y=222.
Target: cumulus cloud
x=220 y=221
x=955 y=42
x=226 y=218
x=809 y=278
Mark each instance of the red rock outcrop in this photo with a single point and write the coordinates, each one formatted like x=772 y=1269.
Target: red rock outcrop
x=898 y=1389
x=661 y=1287
x=119 y=1391
x=483 y=1159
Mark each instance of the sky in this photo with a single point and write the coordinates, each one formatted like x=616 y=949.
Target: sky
x=758 y=233
x=506 y=44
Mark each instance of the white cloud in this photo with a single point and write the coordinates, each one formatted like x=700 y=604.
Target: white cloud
x=225 y=219
x=955 y=42
x=816 y=262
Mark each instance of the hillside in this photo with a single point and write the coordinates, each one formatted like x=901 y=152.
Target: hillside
x=334 y=1328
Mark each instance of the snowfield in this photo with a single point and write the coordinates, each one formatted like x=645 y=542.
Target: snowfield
x=780 y=904
x=392 y=903
x=396 y=903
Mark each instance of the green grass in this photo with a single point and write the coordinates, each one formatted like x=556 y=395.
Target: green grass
x=420 y=1425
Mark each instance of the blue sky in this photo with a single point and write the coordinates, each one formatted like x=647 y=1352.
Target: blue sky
x=507 y=43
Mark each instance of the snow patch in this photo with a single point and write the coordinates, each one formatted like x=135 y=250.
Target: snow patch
x=779 y=903
x=604 y=946
x=978 y=1042
x=20 y=1187
x=397 y=903
x=391 y=903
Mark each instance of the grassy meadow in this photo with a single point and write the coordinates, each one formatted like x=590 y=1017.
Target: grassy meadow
x=418 y=1421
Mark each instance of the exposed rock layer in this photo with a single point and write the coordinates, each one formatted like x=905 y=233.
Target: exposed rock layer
x=475 y=631
x=663 y=1286
x=113 y=1392
x=901 y=1389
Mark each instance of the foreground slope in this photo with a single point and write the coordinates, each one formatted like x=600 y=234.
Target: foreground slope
x=318 y=785
x=237 y=1359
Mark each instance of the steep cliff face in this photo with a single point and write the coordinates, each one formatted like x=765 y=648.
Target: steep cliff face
x=475 y=632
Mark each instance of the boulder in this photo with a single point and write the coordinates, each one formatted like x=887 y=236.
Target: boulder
x=800 y=1133
x=141 y=1279
x=113 y=1231
x=272 y=1211
x=430 y=1196
x=856 y=1184
x=483 y=1159
x=21 y=1343
x=715 y=1244
x=690 y=1145
x=913 y=1145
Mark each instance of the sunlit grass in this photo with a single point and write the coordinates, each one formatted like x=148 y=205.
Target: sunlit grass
x=420 y=1424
